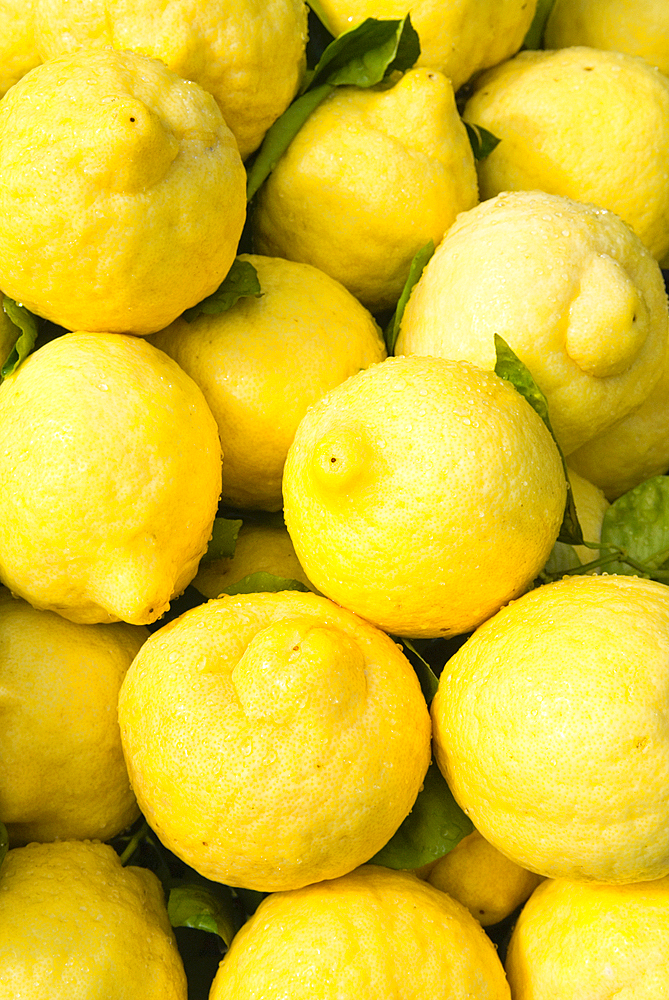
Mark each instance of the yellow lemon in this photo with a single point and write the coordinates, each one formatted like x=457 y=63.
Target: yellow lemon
x=248 y=54
x=568 y=286
x=111 y=466
x=18 y=48
x=327 y=203
x=549 y=726
x=63 y=773
x=273 y=740
x=262 y=363
x=260 y=548
x=638 y=27
x=591 y=506
x=482 y=879
x=423 y=494
x=579 y=122
x=456 y=38
x=578 y=941
x=75 y=924
x=372 y=933
x=122 y=193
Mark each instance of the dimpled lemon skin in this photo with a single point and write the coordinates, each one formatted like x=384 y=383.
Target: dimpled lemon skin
x=327 y=203
x=273 y=740
x=249 y=54
x=569 y=287
x=122 y=193
x=459 y=38
x=75 y=925
x=371 y=933
x=262 y=363
x=577 y=941
x=63 y=775
x=18 y=49
x=423 y=494
x=550 y=728
x=111 y=466
x=586 y=124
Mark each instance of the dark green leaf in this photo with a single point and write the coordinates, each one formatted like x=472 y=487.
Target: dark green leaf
x=433 y=827
x=205 y=907
x=240 y=282
x=4 y=842
x=429 y=682
x=26 y=334
x=535 y=32
x=223 y=539
x=509 y=367
x=416 y=268
x=638 y=522
x=259 y=583
x=364 y=55
x=481 y=140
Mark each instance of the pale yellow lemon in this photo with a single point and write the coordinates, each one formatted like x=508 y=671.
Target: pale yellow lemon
x=550 y=727
x=328 y=202
x=423 y=494
x=591 y=506
x=18 y=48
x=373 y=933
x=63 y=774
x=262 y=363
x=273 y=740
x=580 y=122
x=568 y=286
x=122 y=192
x=75 y=924
x=111 y=466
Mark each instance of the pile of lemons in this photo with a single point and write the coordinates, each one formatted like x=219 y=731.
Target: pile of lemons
x=181 y=364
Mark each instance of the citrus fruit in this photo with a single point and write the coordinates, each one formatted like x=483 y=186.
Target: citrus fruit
x=111 y=463
x=263 y=362
x=18 y=49
x=591 y=506
x=122 y=193
x=423 y=494
x=273 y=740
x=568 y=286
x=549 y=728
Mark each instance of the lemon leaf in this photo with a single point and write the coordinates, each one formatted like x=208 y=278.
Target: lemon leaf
x=223 y=539
x=433 y=827
x=509 y=367
x=481 y=140
x=535 y=32
x=4 y=842
x=392 y=331
x=204 y=907
x=240 y=282
x=364 y=55
x=638 y=522
x=27 y=330
x=429 y=682
x=260 y=583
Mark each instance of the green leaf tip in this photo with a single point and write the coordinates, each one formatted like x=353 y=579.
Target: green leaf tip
x=416 y=268
x=240 y=282
x=27 y=331
x=223 y=541
x=262 y=583
x=481 y=140
x=203 y=907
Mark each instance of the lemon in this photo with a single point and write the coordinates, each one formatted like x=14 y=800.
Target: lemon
x=273 y=740
x=327 y=203
x=586 y=124
x=260 y=548
x=18 y=49
x=122 y=193
x=423 y=494
x=111 y=465
x=591 y=506
x=638 y=27
x=250 y=54
x=372 y=933
x=478 y=876
x=63 y=771
x=75 y=924
x=456 y=38
x=262 y=363
x=580 y=941
x=568 y=286
x=549 y=728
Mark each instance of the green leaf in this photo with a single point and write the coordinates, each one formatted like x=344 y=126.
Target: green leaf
x=363 y=56
x=638 y=522
x=481 y=140
x=223 y=539
x=433 y=827
x=27 y=330
x=429 y=682
x=535 y=32
x=392 y=331
x=509 y=367
x=241 y=282
x=4 y=842
x=562 y=558
x=259 y=583
x=205 y=907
